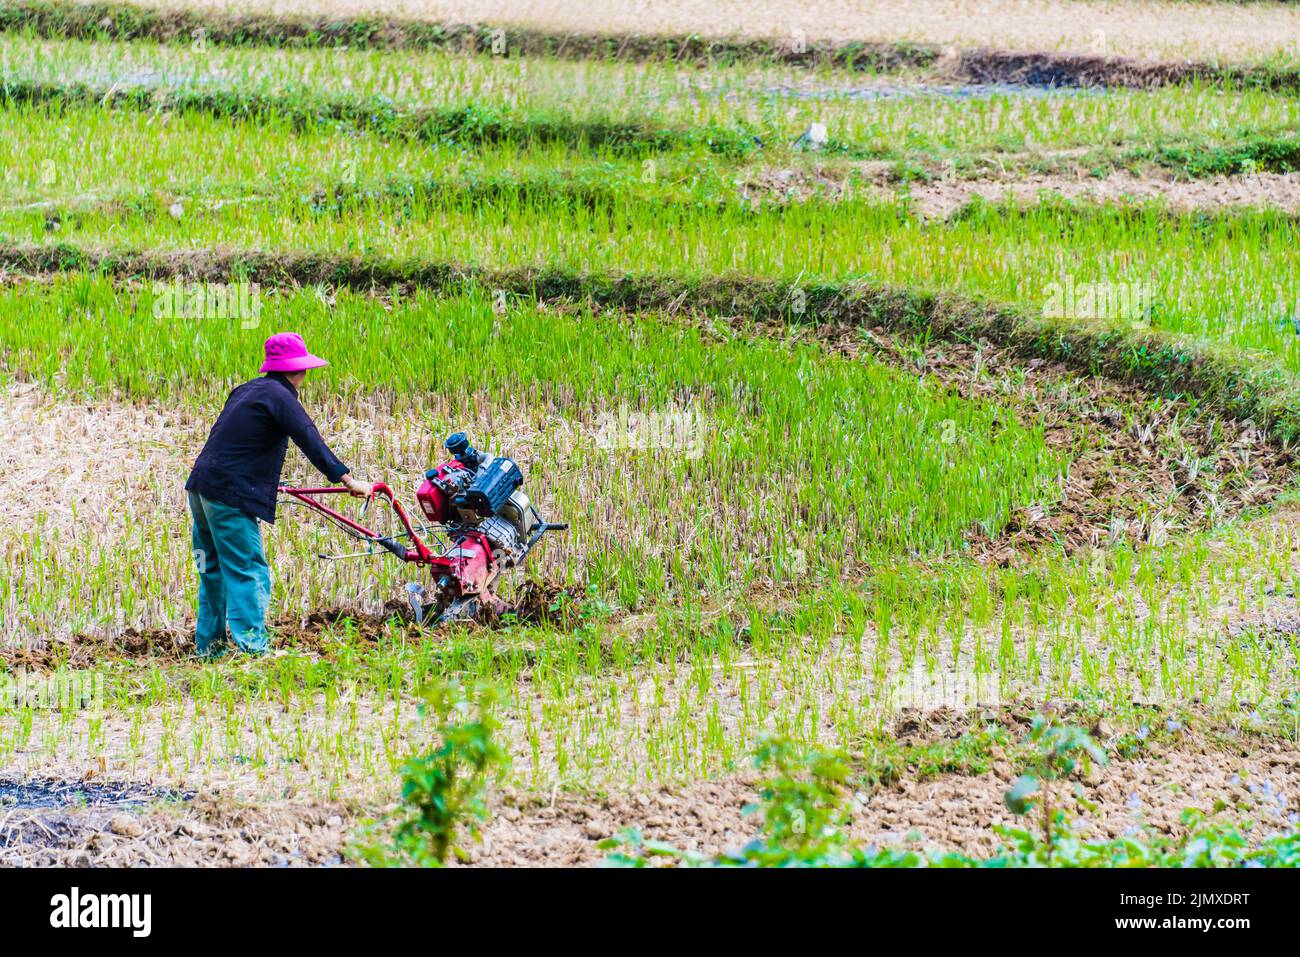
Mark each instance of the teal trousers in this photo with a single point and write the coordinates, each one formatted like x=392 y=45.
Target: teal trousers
x=234 y=578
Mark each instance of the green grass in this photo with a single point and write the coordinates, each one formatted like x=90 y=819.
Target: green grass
x=123 y=159
x=643 y=107
x=1221 y=279
x=879 y=468
x=804 y=574
x=606 y=707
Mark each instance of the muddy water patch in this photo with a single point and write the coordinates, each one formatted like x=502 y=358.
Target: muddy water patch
x=939 y=91
x=127 y=76
x=50 y=812
x=877 y=91
x=53 y=794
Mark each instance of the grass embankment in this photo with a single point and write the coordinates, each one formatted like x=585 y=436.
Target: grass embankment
x=124 y=21
x=727 y=112
x=1201 y=281
x=457 y=124
x=127 y=161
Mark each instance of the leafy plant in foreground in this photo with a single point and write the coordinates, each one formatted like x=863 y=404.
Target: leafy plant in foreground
x=803 y=804
x=805 y=810
x=1057 y=750
x=444 y=790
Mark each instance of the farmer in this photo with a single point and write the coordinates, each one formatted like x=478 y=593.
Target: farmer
x=234 y=483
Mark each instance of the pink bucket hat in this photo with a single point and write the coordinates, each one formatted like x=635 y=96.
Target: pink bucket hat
x=286 y=352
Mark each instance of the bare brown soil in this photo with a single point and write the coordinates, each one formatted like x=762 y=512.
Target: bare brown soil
x=1274 y=191
x=1074 y=69
x=953 y=813
x=318 y=633
x=940 y=198
x=1256 y=779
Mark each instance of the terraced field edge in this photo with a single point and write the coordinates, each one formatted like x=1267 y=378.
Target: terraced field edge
x=124 y=21
x=1245 y=152
x=1228 y=382
x=453 y=123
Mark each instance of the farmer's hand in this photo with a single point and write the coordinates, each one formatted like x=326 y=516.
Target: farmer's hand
x=357 y=488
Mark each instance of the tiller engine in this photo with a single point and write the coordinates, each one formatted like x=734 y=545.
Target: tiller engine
x=475 y=502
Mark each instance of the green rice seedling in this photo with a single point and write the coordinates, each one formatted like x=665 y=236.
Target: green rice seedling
x=866 y=116
x=1221 y=279
x=713 y=416
x=768 y=535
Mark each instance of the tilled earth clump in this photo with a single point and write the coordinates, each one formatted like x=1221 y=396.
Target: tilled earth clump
x=318 y=632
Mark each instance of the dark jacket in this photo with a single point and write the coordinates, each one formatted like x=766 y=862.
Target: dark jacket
x=240 y=463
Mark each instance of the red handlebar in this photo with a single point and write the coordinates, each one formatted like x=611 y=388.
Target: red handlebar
x=420 y=553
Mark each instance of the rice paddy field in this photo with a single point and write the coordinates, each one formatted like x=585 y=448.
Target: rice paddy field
x=913 y=377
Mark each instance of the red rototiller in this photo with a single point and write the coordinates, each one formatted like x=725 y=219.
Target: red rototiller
x=474 y=502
